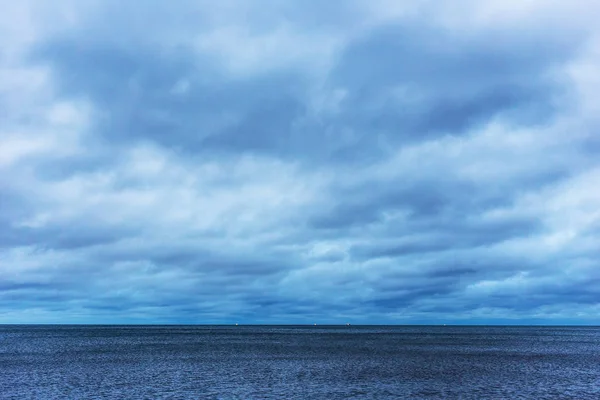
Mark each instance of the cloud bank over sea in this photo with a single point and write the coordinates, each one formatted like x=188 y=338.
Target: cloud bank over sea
x=300 y=161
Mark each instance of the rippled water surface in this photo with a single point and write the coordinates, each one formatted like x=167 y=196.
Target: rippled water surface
x=254 y=362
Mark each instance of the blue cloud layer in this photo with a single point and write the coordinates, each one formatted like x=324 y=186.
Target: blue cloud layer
x=359 y=162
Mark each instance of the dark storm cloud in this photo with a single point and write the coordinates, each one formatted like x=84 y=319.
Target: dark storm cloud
x=137 y=91
x=305 y=163
x=441 y=205
x=450 y=85
x=445 y=84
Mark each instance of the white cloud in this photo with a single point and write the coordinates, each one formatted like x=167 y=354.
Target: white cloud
x=154 y=201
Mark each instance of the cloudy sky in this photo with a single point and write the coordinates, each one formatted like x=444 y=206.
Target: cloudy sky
x=300 y=161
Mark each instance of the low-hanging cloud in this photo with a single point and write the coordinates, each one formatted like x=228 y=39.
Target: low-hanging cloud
x=364 y=162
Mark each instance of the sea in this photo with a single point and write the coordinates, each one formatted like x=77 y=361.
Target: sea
x=299 y=362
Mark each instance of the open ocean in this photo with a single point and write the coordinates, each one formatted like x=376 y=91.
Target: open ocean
x=299 y=362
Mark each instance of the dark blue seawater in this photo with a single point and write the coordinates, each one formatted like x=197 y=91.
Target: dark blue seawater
x=267 y=362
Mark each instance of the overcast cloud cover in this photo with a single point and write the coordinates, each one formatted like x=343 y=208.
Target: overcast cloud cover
x=269 y=161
